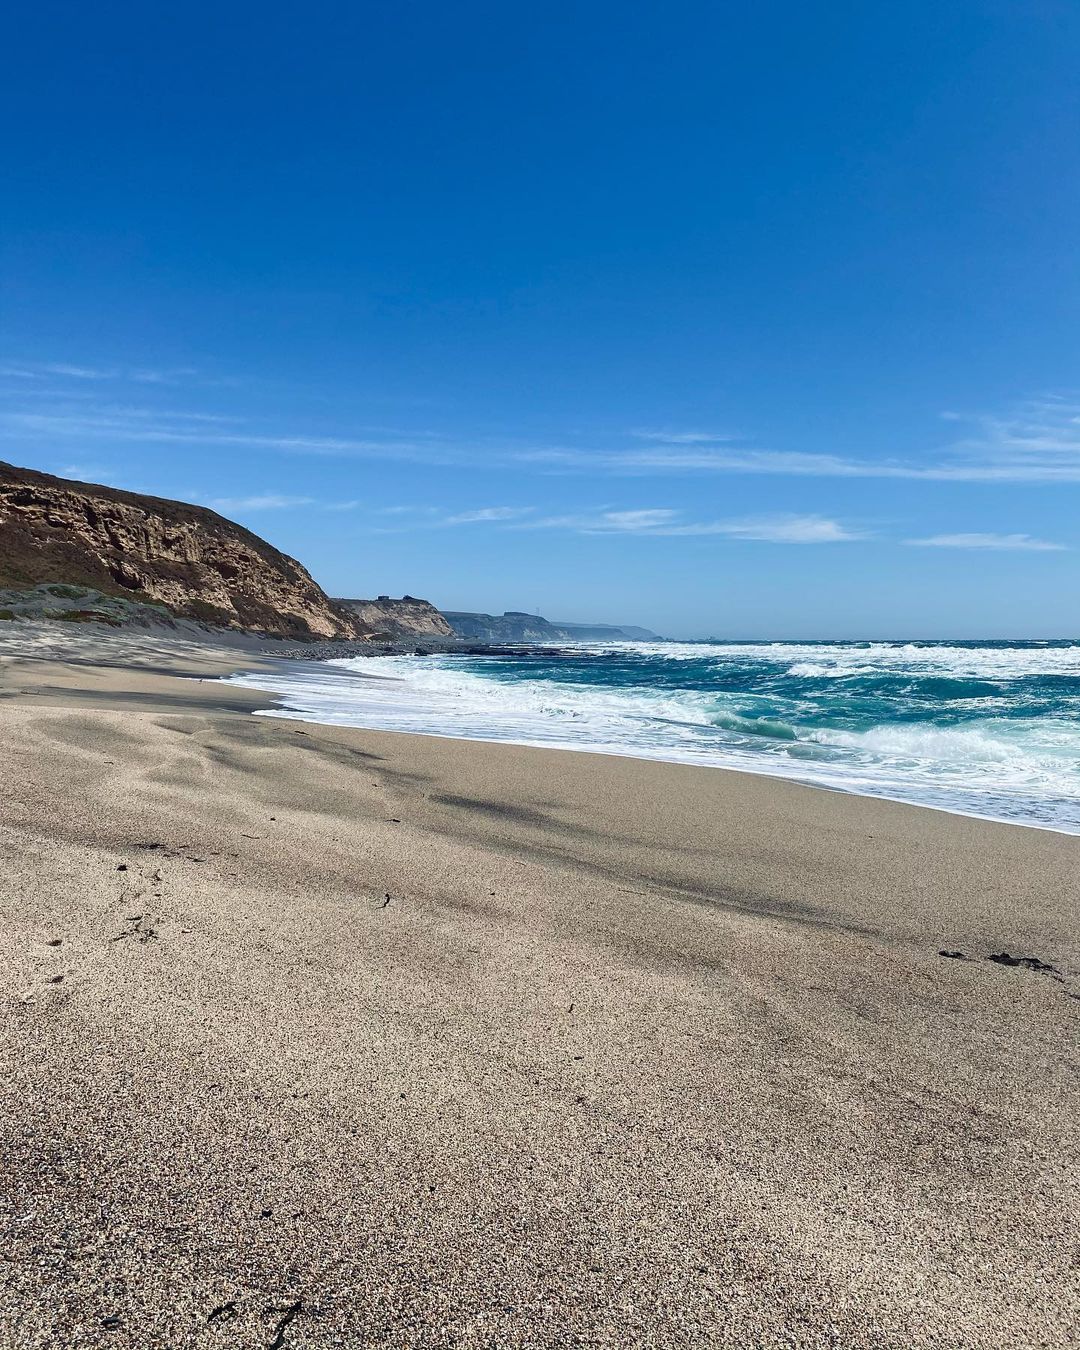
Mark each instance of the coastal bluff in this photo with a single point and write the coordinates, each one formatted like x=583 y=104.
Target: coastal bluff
x=517 y=625
x=188 y=558
x=408 y=617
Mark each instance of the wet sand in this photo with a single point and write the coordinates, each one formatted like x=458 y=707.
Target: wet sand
x=322 y=1037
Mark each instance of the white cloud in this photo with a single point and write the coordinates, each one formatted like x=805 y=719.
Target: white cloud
x=266 y=501
x=779 y=529
x=485 y=514
x=646 y=519
x=174 y=376
x=682 y=437
x=1037 y=441
x=76 y=372
x=88 y=473
x=437 y=518
x=66 y=370
x=666 y=459
x=643 y=521
x=138 y=426
x=1023 y=542
x=661 y=522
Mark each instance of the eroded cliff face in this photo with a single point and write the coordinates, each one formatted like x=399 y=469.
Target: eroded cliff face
x=404 y=618
x=516 y=626
x=192 y=560
x=513 y=626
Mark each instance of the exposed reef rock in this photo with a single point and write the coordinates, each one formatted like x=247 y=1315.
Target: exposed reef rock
x=393 y=619
x=188 y=558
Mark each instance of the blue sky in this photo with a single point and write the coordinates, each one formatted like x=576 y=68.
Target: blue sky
x=748 y=320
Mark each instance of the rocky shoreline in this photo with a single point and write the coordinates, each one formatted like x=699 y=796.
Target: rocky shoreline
x=343 y=648
x=62 y=606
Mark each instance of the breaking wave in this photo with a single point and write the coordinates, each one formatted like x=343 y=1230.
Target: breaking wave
x=985 y=729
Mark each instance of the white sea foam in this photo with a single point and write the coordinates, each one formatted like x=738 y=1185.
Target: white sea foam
x=1023 y=769
x=812 y=659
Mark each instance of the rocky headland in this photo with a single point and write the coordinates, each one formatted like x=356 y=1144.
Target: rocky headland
x=517 y=626
x=388 y=619
x=90 y=554
x=188 y=559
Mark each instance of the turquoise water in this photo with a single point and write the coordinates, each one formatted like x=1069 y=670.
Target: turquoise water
x=983 y=728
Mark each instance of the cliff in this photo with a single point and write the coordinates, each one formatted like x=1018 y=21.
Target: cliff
x=513 y=626
x=188 y=558
x=404 y=618
x=516 y=626
x=605 y=632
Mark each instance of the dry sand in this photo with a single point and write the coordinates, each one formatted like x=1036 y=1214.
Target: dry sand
x=635 y=1054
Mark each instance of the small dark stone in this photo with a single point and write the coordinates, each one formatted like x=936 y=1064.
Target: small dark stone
x=110 y=1323
x=954 y=956
x=56 y=979
x=121 y=867
x=54 y=942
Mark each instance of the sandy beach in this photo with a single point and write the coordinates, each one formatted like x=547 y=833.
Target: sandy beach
x=321 y=1037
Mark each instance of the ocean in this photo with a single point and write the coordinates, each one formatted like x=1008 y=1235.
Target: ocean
x=988 y=729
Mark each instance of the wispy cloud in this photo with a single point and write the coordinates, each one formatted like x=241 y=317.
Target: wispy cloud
x=142 y=426
x=35 y=370
x=88 y=473
x=682 y=437
x=662 y=522
x=640 y=521
x=648 y=518
x=487 y=514
x=440 y=518
x=675 y=459
x=1036 y=441
x=780 y=529
x=649 y=521
x=175 y=376
x=1023 y=542
x=266 y=501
